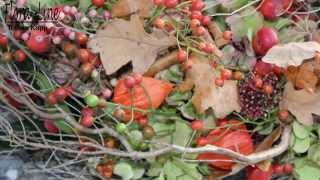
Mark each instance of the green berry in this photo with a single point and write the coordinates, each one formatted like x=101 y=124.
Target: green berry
x=121 y=127
x=92 y=100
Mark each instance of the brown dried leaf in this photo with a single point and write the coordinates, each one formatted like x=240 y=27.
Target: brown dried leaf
x=223 y=100
x=127 y=7
x=123 y=41
x=305 y=76
x=301 y=103
x=291 y=54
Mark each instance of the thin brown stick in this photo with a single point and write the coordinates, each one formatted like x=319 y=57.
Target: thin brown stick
x=162 y=63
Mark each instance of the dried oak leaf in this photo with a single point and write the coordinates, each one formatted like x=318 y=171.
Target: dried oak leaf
x=121 y=41
x=127 y=7
x=301 y=103
x=291 y=54
x=223 y=100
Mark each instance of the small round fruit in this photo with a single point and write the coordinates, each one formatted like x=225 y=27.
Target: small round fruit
x=119 y=114
x=288 y=168
x=159 y=23
x=148 y=132
x=277 y=70
x=196 y=125
x=196 y=15
x=237 y=75
x=202 y=46
x=7 y=57
x=283 y=114
x=50 y=126
x=264 y=39
x=83 y=55
x=200 y=31
x=143 y=122
x=187 y=65
x=38 y=42
x=226 y=74
x=86 y=68
x=158 y=2
x=81 y=38
x=171 y=3
x=106 y=93
x=271 y=9
x=61 y=94
x=17 y=34
x=195 y=23
x=52 y=98
x=87 y=121
x=92 y=100
x=69 y=49
x=209 y=48
x=227 y=35
x=182 y=56
x=109 y=142
x=87 y=111
x=278 y=169
x=197 y=5
x=129 y=82
x=267 y=89
x=3 y=40
x=98 y=3
x=121 y=128
x=258 y=82
x=202 y=141
x=206 y=20
x=219 y=82
x=20 y=56
x=137 y=77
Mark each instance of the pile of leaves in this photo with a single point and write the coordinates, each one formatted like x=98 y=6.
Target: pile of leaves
x=165 y=89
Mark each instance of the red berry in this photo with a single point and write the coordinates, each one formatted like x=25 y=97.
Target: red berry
x=255 y=173
x=171 y=3
x=86 y=68
x=277 y=70
x=129 y=82
x=219 y=82
x=81 y=38
x=200 y=31
x=159 y=23
x=87 y=121
x=283 y=114
x=262 y=68
x=98 y=3
x=143 y=122
x=87 y=111
x=226 y=74
x=197 y=5
x=83 y=55
x=264 y=39
x=3 y=40
x=50 y=126
x=17 y=34
x=227 y=35
x=258 y=82
x=278 y=169
x=202 y=46
x=196 y=15
x=20 y=55
x=288 y=169
x=237 y=75
x=196 y=125
x=267 y=89
x=187 y=64
x=209 y=48
x=137 y=77
x=61 y=94
x=182 y=56
x=195 y=23
x=106 y=93
x=38 y=42
x=158 y=2
x=202 y=141
x=206 y=20
x=52 y=98
x=271 y=9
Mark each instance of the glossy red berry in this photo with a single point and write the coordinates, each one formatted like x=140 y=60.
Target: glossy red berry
x=278 y=169
x=137 y=78
x=283 y=114
x=159 y=23
x=202 y=141
x=227 y=35
x=86 y=68
x=187 y=64
x=219 y=82
x=52 y=98
x=83 y=55
x=87 y=111
x=98 y=3
x=17 y=34
x=182 y=56
x=196 y=15
x=200 y=31
x=106 y=93
x=237 y=75
x=158 y=2
x=197 y=5
x=196 y=125
x=38 y=42
x=271 y=9
x=50 y=126
x=87 y=121
x=226 y=74
x=129 y=82
x=171 y=3
x=202 y=46
x=288 y=168
x=195 y=23
x=264 y=39
x=3 y=40
x=61 y=94
x=206 y=20
x=258 y=82
x=20 y=56
x=208 y=48
x=143 y=122
x=81 y=38
x=267 y=89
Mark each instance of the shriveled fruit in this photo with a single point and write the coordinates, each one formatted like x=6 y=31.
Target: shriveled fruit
x=148 y=132
x=195 y=23
x=38 y=42
x=264 y=39
x=7 y=57
x=69 y=49
x=109 y=142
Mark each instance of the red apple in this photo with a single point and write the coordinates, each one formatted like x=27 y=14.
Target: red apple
x=264 y=39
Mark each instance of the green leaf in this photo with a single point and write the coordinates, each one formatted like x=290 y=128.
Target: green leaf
x=188 y=111
x=171 y=171
x=306 y=170
x=279 y=23
x=178 y=98
x=138 y=172
x=182 y=133
x=249 y=19
x=43 y=83
x=155 y=169
x=266 y=129
x=63 y=126
x=299 y=130
x=314 y=153
x=231 y=5
x=189 y=169
x=123 y=170
x=162 y=129
x=173 y=74
x=84 y=5
x=301 y=145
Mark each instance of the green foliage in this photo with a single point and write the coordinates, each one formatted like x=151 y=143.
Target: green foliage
x=306 y=170
x=173 y=74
